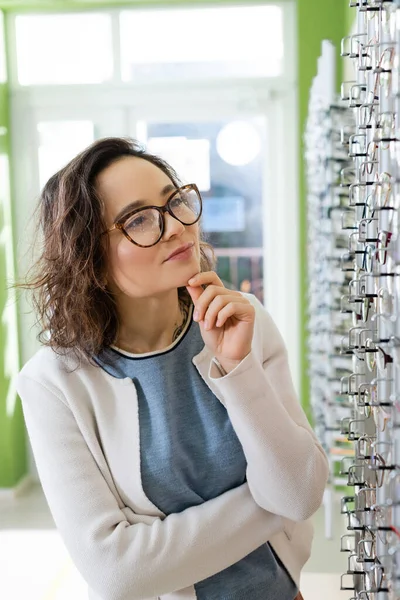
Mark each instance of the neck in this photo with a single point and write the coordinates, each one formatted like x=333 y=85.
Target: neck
x=150 y=324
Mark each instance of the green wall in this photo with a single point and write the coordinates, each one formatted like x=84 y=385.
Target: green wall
x=316 y=20
x=350 y=16
x=13 y=458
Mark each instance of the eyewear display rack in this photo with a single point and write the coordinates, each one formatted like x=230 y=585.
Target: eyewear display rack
x=353 y=173
x=326 y=157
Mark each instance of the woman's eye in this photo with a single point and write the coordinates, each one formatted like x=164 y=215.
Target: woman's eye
x=181 y=200
x=135 y=222
x=177 y=201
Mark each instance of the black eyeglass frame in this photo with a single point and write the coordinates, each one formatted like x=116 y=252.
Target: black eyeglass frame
x=162 y=210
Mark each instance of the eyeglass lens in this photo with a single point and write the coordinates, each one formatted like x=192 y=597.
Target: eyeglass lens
x=145 y=227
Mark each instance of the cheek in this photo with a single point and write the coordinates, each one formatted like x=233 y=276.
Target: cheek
x=124 y=256
x=195 y=232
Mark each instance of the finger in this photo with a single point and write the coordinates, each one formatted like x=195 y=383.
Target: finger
x=195 y=293
x=240 y=310
x=216 y=306
x=207 y=296
x=206 y=278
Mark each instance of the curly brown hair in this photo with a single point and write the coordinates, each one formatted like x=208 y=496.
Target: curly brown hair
x=74 y=309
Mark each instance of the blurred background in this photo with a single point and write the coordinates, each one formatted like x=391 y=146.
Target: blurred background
x=219 y=89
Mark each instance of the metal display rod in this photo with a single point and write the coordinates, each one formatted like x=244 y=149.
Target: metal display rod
x=353 y=175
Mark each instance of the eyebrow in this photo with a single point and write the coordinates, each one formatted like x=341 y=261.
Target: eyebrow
x=138 y=203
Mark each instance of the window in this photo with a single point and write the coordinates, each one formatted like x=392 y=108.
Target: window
x=59 y=142
x=231 y=189
x=193 y=43
x=3 y=70
x=64 y=48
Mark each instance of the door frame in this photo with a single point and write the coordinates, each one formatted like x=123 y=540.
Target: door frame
x=275 y=97
x=118 y=110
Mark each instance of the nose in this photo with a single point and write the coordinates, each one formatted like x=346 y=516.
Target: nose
x=172 y=226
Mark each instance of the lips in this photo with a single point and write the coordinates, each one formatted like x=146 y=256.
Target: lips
x=180 y=250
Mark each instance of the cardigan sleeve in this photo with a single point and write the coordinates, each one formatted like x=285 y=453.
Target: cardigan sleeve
x=287 y=468
x=118 y=559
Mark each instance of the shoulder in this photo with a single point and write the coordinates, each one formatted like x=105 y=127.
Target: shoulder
x=50 y=367
x=46 y=359
x=42 y=361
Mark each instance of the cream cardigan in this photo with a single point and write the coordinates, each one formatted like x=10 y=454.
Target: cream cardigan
x=84 y=431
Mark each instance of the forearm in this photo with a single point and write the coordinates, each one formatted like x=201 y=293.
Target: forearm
x=191 y=546
x=287 y=468
x=120 y=557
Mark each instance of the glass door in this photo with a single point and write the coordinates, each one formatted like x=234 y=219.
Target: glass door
x=238 y=147
x=225 y=158
x=60 y=135
x=55 y=136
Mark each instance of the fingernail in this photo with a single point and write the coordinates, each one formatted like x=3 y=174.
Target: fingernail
x=206 y=325
x=196 y=315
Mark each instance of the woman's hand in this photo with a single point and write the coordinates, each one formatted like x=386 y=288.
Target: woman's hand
x=226 y=318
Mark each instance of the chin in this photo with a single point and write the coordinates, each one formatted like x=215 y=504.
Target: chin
x=185 y=273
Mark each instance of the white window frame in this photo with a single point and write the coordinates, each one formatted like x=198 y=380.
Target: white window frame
x=289 y=69
x=276 y=98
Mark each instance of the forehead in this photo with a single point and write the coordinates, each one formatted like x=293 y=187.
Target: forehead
x=129 y=179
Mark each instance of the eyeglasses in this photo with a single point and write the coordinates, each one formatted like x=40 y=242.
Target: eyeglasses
x=386 y=132
x=363 y=396
x=145 y=227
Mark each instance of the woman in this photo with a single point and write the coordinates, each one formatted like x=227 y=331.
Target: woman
x=174 y=456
